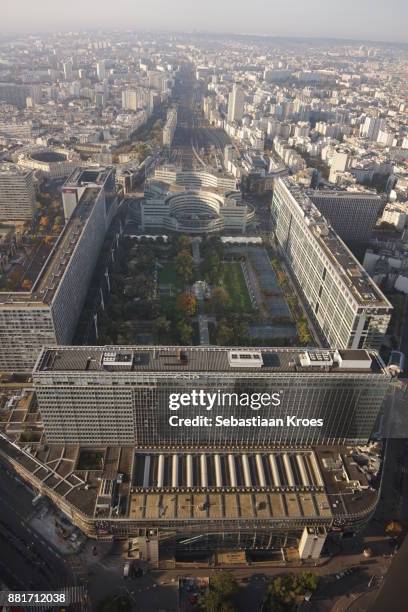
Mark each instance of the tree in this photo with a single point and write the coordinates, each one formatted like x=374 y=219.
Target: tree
x=212 y=267
x=303 y=331
x=225 y=584
x=393 y=528
x=48 y=240
x=223 y=588
x=187 y=303
x=286 y=592
x=210 y=602
x=161 y=326
x=185 y=332
x=115 y=604
x=184 y=265
x=219 y=299
x=26 y=284
x=225 y=334
x=184 y=243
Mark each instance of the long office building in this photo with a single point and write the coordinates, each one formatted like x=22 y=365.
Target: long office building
x=17 y=193
x=48 y=312
x=352 y=214
x=345 y=304
x=143 y=395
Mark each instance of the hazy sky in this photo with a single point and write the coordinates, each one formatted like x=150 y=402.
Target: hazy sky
x=361 y=19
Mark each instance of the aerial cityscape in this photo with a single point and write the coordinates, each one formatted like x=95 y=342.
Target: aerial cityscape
x=203 y=310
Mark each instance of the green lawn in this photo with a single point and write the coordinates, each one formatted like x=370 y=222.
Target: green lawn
x=168 y=276
x=234 y=282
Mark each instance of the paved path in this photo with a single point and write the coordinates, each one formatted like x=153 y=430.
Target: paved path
x=195 y=245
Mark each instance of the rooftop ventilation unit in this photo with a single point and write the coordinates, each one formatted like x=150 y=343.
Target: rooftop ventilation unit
x=316 y=359
x=354 y=359
x=117 y=359
x=245 y=359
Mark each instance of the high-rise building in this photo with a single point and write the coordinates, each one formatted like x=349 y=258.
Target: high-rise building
x=372 y=127
x=236 y=102
x=345 y=304
x=134 y=99
x=101 y=70
x=229 y=154
x=352 y=214
x=129 y=99
x=17 y=193
x=67 y=67
x=339 y=163
x=241 y=398
x=48 y=312
x=158 y=80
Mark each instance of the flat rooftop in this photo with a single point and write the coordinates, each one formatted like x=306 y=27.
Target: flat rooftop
x=253 y=361
x=48 y=279
x=183 y=172
x=7 y=168
x=329 y=194
x=96 y=492
x=82 y=176
x=361 y=286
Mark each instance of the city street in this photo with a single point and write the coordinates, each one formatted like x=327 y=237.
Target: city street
x=27 y=559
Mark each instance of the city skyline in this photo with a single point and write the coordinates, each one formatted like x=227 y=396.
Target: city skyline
x=350 y=21
x=203 y=304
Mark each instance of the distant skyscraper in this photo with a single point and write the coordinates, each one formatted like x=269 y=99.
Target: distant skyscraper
x=67 y=67
x=236 y=104
x=101 y=70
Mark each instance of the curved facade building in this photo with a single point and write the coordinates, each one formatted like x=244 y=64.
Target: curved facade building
x=193 y=203
x=53 y=162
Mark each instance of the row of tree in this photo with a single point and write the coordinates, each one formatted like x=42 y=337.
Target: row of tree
x=284 y=593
